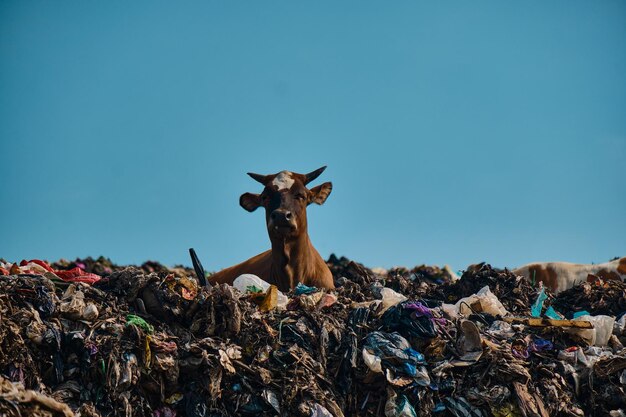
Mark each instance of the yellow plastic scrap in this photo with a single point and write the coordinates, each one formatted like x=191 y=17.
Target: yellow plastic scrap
x=544 y=322
x=174 y=398
x=506 y=410
x=148 y=353
x=271 y=299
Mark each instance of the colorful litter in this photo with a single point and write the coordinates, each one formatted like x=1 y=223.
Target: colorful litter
x=89 y=338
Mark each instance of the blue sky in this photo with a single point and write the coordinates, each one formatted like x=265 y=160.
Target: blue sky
x=454 y=132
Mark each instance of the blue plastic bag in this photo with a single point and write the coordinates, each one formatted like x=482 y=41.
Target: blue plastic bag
x=535 y=310
x=303 y=289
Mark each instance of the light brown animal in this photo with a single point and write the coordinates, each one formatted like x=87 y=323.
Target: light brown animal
x=293 y=258
x=560 y=276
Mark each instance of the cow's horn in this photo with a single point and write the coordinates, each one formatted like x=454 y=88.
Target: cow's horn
x=258 y=177
x=312 y=175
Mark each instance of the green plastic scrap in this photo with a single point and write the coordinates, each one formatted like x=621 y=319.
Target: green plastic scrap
x=253 y=289
x=139 y=322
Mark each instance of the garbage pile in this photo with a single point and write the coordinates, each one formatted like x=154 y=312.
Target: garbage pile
x=600 y=297
x=89 y=338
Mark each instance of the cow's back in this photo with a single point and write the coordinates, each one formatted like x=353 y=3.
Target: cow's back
x=560 y=276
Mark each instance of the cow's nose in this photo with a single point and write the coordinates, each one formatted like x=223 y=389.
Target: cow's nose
x=281 y=215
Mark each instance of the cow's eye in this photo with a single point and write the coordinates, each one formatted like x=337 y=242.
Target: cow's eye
x=300 y=196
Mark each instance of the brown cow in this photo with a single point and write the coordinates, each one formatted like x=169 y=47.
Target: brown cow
x=560 y=276
x=293 y=258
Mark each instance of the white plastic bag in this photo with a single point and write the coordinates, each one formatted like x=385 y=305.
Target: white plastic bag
x=484 y=301
x=501 y=330
x=601 y=332
x=372 y=361
x=604 y=329
x=390 y=299
x=246 y=283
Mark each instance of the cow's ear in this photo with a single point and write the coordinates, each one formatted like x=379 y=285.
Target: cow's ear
x=320 y=193
x=250 y=201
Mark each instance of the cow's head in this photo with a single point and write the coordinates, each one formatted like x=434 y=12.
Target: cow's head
x=285 y=198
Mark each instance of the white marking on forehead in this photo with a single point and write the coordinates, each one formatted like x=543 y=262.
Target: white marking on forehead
x=283 y=181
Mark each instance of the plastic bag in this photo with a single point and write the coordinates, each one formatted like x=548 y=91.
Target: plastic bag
x=139 y=322
x=390 y=351
x=372 y=361
x=573 y=355
x=535 y=309
x=410 y=320
x=250 y=283
x=398 y=406
x=390 y=298
x=580 y=313
x=484 y=301
x=601 y=332
x=604 y=329
x=303 y=289
x=551 y=313
x=78 y=275
x=73 y=305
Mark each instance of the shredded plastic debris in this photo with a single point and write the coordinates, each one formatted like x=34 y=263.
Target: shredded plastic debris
x=152 y=341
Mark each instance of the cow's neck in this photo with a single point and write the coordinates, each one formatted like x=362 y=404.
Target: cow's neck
x=290 y=260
